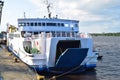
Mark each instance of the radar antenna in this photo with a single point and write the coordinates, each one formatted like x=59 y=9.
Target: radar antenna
x=48 y=8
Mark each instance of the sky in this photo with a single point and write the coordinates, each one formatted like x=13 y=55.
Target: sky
x=95 y=16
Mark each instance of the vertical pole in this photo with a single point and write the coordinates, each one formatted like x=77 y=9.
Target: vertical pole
x=1 y=6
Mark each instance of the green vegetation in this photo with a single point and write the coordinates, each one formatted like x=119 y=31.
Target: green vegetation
x=34 y=51
x=30 y=50
x=106 y=34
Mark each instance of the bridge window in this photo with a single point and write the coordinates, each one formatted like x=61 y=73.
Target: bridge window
x=76 y=25
x=58 y=24
x=51 y=24
x=31 y=24
x=35 y=24
x=20 y=24
x=43 y=24
x=39 y=24
x=24 y=24
x=71 y=25
x=66 y=25
x=28 y=24
x=62 y=24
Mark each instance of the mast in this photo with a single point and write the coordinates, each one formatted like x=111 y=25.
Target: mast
x=48 y=8
x=1 y=6
x=24 y=15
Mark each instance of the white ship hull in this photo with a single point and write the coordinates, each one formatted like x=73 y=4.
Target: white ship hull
x=45 y=61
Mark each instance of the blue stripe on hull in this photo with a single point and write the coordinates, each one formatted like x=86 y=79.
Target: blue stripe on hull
x=55 y=71
x=90 y=66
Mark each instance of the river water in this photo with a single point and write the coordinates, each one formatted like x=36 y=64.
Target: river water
x=109 y=67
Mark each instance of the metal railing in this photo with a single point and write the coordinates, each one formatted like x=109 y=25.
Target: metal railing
x=68 y=35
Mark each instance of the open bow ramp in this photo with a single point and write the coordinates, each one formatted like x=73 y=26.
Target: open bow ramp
x=69 y=60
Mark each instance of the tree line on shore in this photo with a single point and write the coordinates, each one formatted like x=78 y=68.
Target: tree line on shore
x=106 y=34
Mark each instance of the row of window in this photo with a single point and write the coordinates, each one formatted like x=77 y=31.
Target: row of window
x=47 y=24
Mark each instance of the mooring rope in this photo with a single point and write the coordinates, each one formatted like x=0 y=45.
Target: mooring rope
x=54 y=77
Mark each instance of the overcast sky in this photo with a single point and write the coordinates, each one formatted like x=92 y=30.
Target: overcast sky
x=95 y=16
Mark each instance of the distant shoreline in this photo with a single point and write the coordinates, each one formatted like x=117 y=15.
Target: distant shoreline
x=105 y=34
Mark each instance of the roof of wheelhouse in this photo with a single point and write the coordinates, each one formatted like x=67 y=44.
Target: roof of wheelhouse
x=46 y=20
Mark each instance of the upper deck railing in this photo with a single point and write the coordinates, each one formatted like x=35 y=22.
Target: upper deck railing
x=60 y=35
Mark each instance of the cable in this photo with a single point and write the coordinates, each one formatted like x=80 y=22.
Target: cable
x=54 y=77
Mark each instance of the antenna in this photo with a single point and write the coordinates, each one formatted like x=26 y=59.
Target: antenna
x=48 y=8
x=24 y=15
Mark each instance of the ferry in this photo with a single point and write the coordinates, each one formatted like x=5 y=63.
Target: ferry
x=52 y=45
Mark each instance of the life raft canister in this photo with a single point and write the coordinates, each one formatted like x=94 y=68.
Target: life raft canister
x=82 y=35
x=37 y=43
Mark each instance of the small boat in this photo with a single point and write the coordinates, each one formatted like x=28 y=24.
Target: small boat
x=52 y=45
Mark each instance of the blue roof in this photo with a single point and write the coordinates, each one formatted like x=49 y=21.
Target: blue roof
x=47 y=20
